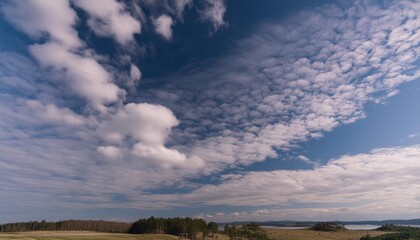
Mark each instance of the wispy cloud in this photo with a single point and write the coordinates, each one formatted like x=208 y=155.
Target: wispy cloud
x=360 y=183
x=413 y=135
x=135 y=76
x=307 y=160
x=214 y=12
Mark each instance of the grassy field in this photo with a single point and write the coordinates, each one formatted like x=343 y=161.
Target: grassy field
x=76 y=235
x=277 y=234
x=307 y=234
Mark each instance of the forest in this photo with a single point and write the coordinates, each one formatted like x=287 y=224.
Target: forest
x=67 y=225
x=174 y=226
x=188 y=227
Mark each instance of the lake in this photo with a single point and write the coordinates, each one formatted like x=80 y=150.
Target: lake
x=371 y=227
x=285 y=227
x=362 y=227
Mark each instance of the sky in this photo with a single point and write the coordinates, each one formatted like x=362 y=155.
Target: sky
x=219 y=109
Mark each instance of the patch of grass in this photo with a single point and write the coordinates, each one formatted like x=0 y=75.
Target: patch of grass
x=308 y=234
x=70 y=235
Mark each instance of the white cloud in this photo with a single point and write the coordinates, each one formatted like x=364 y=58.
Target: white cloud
x=111 y=152
x=84 y=74
x=148 y=126
x=305 y=159
x=413 y=135
x=275 y=89
x=291 y=82
x=109 y=18
x=14 y=79
x=51 y=113
x=164 y=157
x=180 y=5
x=360 y=182
x=214 y=12
x=174 y=8
x=163 y=26
x=143 y=122
x=135 y=76
x=35 y=17
x=135 y=73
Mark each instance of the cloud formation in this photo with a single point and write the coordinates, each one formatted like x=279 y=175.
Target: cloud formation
x=142 y=122
x=62 y=51
x=111 y=152
x=288 y=82
x=375 y=176
x=85 y=75
x=144 y=128
x=146 y=124
x=362 y=183
x=294 y=80
x=180 y=6
x=54 y=114
x=109 y=18
x=34 y=17
x=214 y=12
x=135 y=76
x=163 y=26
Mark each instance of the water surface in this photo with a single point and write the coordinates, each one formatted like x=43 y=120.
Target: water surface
x=362 y=227
x=285 y=227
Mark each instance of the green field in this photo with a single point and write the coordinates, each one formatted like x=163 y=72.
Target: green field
x=79 y=235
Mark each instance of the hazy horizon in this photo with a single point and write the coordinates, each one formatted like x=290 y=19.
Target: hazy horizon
x=218 y=109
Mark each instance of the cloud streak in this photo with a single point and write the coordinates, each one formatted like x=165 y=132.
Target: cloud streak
x=214 y=12
x=368 y=183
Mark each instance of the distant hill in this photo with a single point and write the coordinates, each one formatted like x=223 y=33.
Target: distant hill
x=384 y=222
x=286 y=223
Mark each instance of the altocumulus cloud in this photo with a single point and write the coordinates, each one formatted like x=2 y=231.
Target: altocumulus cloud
x=294 y=80
x=288 y=82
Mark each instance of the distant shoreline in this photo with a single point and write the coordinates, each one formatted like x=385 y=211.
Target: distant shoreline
x=348 y=226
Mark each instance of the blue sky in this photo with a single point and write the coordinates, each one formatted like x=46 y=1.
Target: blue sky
x=224 y=110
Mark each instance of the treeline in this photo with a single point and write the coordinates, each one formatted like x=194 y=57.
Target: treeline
x=176 y=226
x=186 y=227
x=67 y=225
x=328 y=227
x=399 y=233
x=250 y=231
